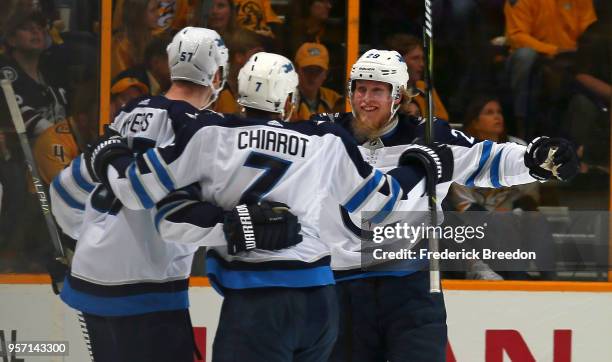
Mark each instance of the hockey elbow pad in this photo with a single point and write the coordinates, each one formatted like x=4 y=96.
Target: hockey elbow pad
x=266 y=225
x=549 y=158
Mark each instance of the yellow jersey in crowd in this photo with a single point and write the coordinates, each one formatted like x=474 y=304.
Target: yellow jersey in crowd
x=329 y=101
x=54 y=149
x=256 y=15
x=439 y=109
x=547 y=25
x=227 y=103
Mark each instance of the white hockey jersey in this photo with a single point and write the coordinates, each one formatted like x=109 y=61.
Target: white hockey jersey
x=483 y=164
x=238 y=160
x=121 y=266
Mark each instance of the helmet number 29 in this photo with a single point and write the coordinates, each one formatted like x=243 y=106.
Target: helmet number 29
x=186 y=56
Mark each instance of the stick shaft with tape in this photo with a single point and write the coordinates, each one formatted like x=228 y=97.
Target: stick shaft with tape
x=434 y=263
x=43 y=198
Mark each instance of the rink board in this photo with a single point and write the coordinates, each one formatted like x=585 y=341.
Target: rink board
x=492 y=326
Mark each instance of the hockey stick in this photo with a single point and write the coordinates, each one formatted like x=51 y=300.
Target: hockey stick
x=43 y=199
x=434 y=263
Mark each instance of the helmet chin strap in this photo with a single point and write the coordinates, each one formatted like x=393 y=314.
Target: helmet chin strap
x=288 y=117
x=293 y=108
x=214 y=96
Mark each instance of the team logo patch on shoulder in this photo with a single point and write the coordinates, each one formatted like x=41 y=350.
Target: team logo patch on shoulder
x=144 y=102
x=190 y=115
x=275 y=123
x=8 y=73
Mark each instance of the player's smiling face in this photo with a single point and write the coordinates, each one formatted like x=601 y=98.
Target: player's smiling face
x=372 y=102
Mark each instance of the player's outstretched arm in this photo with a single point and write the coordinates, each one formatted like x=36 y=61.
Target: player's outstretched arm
x=520 y=165
x=141 y=181
x=489 y=164
x=181 y=217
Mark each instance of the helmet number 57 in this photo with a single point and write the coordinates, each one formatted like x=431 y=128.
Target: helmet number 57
x=186 y=56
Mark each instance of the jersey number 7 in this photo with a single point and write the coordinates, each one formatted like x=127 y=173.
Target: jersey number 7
x=275 y=168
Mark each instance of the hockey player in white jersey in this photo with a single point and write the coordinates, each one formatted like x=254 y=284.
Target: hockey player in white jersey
x=388 y=314
x=129 y=283
x=278 y=306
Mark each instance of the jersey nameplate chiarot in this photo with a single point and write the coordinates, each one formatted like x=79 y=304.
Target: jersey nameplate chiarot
x=269 y=140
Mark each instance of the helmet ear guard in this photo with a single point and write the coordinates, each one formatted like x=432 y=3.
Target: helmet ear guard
x=265 y=82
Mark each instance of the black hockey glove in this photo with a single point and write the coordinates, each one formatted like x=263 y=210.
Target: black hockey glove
x=437 y=160
x=267 y=226
x=551 y=157
x=100 y=154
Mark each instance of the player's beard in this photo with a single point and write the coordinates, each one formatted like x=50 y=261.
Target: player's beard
x=367 y=128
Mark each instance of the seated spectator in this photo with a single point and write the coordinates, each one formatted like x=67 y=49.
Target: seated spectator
x=153 y=73
x=312 y=62
x=222 y=18
x=42 y=103
x=60 y=144
x=139 y=20
x=410 y=47
x=256 y=16
x=242 y=44
x=123 y=90
x=588 y=114
x=310 y=23
x=541 y=30
x=484 y=120
x=505 y=231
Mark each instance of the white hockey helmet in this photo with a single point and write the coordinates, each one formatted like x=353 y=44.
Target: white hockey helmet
x=196 y=54
x=386 y=66
x=265 y=82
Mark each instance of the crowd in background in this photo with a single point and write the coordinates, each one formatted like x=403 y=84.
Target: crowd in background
x=507 y=70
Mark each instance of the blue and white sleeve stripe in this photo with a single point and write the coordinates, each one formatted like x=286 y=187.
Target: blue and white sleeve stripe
x=484 y=157
x=68 y=198
x=84 y=182
x=494 y=172
x=65 y=196
x=138 y=187
x=490 y=164
x=154 y=187
x=365 y=191
x=394 y=197
x=159 y=169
